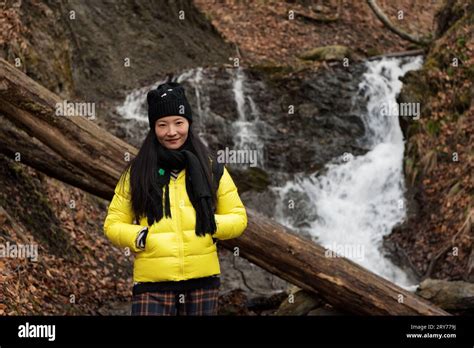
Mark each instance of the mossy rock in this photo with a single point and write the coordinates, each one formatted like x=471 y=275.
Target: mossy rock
x=270 y=68
x=253 y=178
x=334 y=52
x=374 y=52
x=418 y=87
x=300 y=303
x=277 y=71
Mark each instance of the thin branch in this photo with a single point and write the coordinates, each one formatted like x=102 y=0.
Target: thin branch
x=384 y=19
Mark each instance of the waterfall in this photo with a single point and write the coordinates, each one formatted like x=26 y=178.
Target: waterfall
x=358 y=199
x=350 y=205
x=195 y=78
x=247 y=131
x=134 y=113
x=134 y=108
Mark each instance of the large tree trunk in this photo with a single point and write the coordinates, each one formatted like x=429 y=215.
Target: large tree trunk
x=79 y=141
x=97 y=159
x=16 y=143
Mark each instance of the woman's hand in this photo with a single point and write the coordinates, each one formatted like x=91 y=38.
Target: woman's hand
x=141 y=238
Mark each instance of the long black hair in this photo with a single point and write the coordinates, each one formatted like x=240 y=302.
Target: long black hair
x=144 y=166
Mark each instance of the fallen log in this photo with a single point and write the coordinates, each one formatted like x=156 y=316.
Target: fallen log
x=266 y=243
x=15 y=143
x=341 y=282
x=79 y=141
x=401 y=54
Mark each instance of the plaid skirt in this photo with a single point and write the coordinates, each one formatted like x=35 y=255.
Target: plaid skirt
x=187 y=302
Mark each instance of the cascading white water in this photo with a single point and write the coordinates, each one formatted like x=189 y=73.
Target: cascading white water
x=358 y=200
x=195 y=78
x=133 y=112
x=246 y=128
x=134 y=106
x=133 y=109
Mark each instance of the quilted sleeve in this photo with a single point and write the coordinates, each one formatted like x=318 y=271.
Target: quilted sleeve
x=231 y=216
x=118 y=225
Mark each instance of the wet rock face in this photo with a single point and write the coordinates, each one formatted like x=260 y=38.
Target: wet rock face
x=324 y=125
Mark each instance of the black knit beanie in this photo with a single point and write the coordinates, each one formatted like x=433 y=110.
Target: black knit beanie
x=168 y=99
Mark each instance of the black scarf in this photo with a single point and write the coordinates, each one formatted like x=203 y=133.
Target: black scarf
x=197 y=187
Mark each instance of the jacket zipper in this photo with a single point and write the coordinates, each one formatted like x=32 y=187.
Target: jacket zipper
x=178 y=221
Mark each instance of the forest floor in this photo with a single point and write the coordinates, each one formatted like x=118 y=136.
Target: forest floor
x=264 y=34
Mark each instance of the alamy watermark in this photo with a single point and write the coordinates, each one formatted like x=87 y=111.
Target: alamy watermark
x=350 y=251
x=401 y=109
x=76 y=109
x=20 y=251
x=37 y=331
x=229 y=156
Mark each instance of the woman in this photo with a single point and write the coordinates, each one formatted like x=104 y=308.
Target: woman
x=171 y=205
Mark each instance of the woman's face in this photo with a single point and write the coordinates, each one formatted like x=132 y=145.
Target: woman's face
x=172 y=131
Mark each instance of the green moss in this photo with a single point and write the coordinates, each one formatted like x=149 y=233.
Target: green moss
x=430 y=64
x=277 y=71
x=273 y=69
x=461 y=42
x=433 y=127
x=32 y=107
x=334 y=52
x=372 y=52
x=254 y=178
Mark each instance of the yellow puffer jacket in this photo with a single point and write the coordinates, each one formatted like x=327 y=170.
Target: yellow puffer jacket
x=172 y=250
